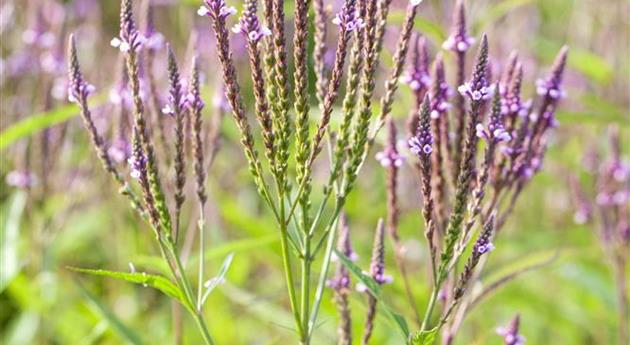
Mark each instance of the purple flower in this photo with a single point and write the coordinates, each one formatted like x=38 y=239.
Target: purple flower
x=510 y=333
x=130 y=40
x=440 y=92
x=249 y=25
x=459 y=41
x=476 y=92
x=421 y=143
x=341 y=280
x=377 y=264
x=21 y=179
x=78 y=88
x=390 y=156
x=496 y=131
x=216 y=9
x=138 y=165
x=546 y=87
x=348 y=18
x=418 y=77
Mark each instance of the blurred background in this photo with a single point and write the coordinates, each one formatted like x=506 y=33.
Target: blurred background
x=59 y=208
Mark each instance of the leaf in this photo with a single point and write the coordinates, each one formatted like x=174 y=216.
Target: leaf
x=375 y=290
x=221 y=276
x=37 y=122
x=371 y=285
x=424 y=337
x=155 y=281
x=9 y=235
x=114 y=322
x=397 y=318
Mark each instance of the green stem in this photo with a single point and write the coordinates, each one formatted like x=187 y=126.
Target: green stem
x=430 y=307
x=201 y=226
x=321 y=284
x=305 y=293
x=185 y=285
x=287 y=270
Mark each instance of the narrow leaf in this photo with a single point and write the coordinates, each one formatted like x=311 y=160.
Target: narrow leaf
x=424 y=337
x=371 y=285
x=9 y=235
x=155 y=281
x=128 y=335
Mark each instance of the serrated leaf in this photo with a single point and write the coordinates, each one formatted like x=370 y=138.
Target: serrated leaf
x=157 y=282
x=424 y=337
x=127 y=334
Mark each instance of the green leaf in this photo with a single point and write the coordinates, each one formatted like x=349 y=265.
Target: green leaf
x=424 y=337
x=220 y=277
x=375 y=290
x=371 y=285
x=114 y=322
x=155 y=281
x=37 y=122
x=9 y=235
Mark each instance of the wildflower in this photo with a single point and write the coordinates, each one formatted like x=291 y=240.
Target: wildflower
x=130 y=40
x=390 y=156
x=341 y=281
x=421 y=143
x=138 y=164
x=476 y=92
x=496 y=131
x=21 y=179
x=510 y=333
x=348 y=19
x=418 y=76
x=377 y=265
x=249 y=24
x=459 y=40
x=216 y=9
x=78 y=88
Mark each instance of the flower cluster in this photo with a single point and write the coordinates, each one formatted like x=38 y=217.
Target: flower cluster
x=78 y=88
x=390 y=156
x=421 y=143
x=348 y=19
x=249 y=25
x=511 y=334
x=441 y=92
x=549 y=87
x=459 y=40
x=418 y=77
x=216 y=9
x=476 y=92
x=496 y=131
x=137 y=164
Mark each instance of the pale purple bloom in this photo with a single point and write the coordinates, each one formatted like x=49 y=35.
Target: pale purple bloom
x=249 y=25
x=138 y=165
x=21 y=179
x=476 y=93
x=511 y=334
x=216 y=9
x=390 y=156
x=79 y=89
x=547 y=87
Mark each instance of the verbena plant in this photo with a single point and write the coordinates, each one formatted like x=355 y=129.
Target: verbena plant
x=604 y=205
x=452 y=187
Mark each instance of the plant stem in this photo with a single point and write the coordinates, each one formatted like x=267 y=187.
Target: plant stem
x=305 y=293
x=201 y=226
x=430 y=307
x=288 y=273
x=331 y=232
